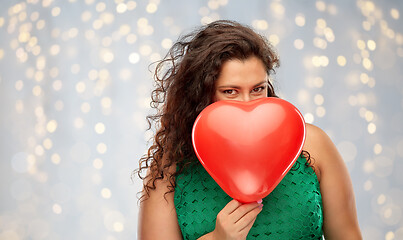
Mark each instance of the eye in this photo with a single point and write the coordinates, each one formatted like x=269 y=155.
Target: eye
x=229 y=91
x=259 y=89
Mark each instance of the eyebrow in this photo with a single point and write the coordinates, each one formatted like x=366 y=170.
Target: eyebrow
x=237 y=87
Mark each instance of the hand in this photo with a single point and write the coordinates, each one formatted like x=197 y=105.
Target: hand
x=235 y=220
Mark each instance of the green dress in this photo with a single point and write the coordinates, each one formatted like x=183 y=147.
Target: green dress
x=293 y=210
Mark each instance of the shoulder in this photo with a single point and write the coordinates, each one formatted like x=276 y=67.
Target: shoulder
x=315 y=136
x=321 y=149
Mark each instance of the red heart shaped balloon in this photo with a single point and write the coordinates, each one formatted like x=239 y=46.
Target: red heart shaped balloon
x=248 y=147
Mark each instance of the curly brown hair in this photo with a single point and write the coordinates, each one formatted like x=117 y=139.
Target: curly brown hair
x=185 y=84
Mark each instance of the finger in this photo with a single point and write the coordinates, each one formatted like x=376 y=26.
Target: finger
x=248 y=218
x=247 y=228
x=243 y=210
x=230 y=207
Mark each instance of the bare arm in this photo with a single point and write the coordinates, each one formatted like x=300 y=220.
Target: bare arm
x=340 y=216
x=157 y=216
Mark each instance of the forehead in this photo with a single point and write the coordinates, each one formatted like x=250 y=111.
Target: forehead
x=235 y=71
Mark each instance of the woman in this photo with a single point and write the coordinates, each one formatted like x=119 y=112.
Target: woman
x=228 y=61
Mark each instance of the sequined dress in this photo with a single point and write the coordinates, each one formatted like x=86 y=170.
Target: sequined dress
x=293 y=210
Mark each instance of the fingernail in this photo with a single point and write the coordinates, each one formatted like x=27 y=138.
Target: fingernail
x=260 y=205
x=259 y=201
